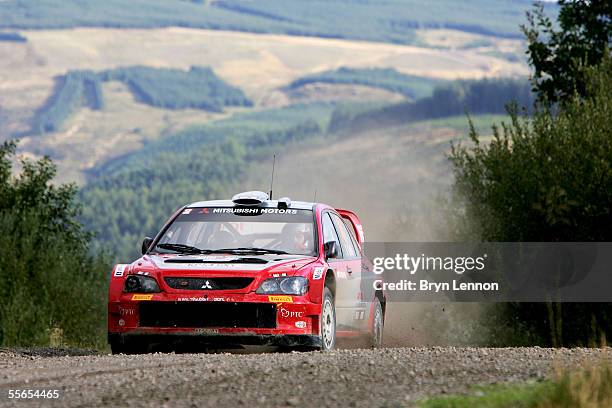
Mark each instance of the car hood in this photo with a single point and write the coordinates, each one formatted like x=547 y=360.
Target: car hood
x=223 y=265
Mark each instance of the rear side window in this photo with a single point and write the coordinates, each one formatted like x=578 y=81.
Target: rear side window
x=345 y=240
x=329 y=233
x=351 y=231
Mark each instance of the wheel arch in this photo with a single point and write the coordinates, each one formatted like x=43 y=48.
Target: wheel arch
x=330 y=282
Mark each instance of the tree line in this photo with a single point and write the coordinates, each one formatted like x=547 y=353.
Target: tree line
x=456 y=98
x=384 y=78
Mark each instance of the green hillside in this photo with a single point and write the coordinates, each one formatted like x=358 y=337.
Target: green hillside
x=389 y=21
x=486 y=96
x=198 y=88
x=129 y=197
x=383 y=78
x=72 y=91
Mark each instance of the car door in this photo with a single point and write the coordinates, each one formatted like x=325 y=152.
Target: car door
x=356 y=308
x=343 y=299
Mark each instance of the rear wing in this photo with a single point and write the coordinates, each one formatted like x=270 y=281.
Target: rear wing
x=354 y=221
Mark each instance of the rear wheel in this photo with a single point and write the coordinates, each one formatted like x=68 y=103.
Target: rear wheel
x=328 y=321
x=378 y=324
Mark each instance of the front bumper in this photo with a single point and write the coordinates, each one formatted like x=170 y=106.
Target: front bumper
x=237 y=319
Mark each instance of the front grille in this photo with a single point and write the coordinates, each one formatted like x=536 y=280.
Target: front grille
x=208 y=283
x=208 y=314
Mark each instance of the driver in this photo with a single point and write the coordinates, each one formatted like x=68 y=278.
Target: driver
x=296 y=238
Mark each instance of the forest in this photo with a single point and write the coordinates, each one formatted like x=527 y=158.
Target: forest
x=130 y=197
x=485 y=96
x=197 y=88
x=392 y=21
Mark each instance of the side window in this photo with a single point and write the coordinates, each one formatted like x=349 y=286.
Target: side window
x=345 y=240
x=351 y=231
x=329 y=233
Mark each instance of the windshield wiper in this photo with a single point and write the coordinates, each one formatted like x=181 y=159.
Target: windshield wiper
x=188 y=249
x=184 y=249
x=252 y=250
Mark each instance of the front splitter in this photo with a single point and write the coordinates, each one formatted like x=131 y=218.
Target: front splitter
x=219 y=340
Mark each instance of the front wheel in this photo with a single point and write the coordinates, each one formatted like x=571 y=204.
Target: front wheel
x=328 y=321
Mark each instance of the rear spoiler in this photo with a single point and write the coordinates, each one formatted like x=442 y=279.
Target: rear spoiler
x=354 y=220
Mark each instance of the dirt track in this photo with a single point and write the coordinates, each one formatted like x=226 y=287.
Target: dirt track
x=355 y=378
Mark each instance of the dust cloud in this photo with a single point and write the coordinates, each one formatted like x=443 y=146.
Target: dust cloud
x=395 y=180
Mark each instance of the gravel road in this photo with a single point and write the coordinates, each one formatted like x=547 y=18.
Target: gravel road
x=387 y=377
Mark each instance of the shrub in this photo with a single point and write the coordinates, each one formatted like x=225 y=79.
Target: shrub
x=51 y=287
x=545 y=178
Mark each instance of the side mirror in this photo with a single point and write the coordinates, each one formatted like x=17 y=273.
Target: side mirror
x=146 y=243
x=330 y=249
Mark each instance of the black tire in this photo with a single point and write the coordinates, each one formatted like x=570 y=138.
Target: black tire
x=128 y=346
x=375 y=339
x=327 y=326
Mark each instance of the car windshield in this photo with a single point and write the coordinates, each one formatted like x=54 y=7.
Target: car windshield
x=240 y=230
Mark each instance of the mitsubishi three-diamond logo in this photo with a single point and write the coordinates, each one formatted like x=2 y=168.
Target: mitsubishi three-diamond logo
x=206 y=285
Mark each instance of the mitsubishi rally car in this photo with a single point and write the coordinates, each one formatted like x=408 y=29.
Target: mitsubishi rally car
x=250 y=271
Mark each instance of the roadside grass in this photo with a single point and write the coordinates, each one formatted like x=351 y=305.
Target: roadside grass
x=493 y=396
x=586 y=387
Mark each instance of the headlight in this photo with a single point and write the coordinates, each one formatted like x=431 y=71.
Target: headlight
x=140 y=283
x=296 y=285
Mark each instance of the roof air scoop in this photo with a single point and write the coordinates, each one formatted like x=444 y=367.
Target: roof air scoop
x=284 y=202
x=250 y=198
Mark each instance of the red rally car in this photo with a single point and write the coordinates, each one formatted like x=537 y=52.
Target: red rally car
x=247 y=271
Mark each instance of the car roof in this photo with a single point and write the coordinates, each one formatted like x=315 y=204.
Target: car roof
x=297 y=205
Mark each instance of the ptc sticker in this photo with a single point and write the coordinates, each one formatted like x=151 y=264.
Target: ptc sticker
x=318 y=273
